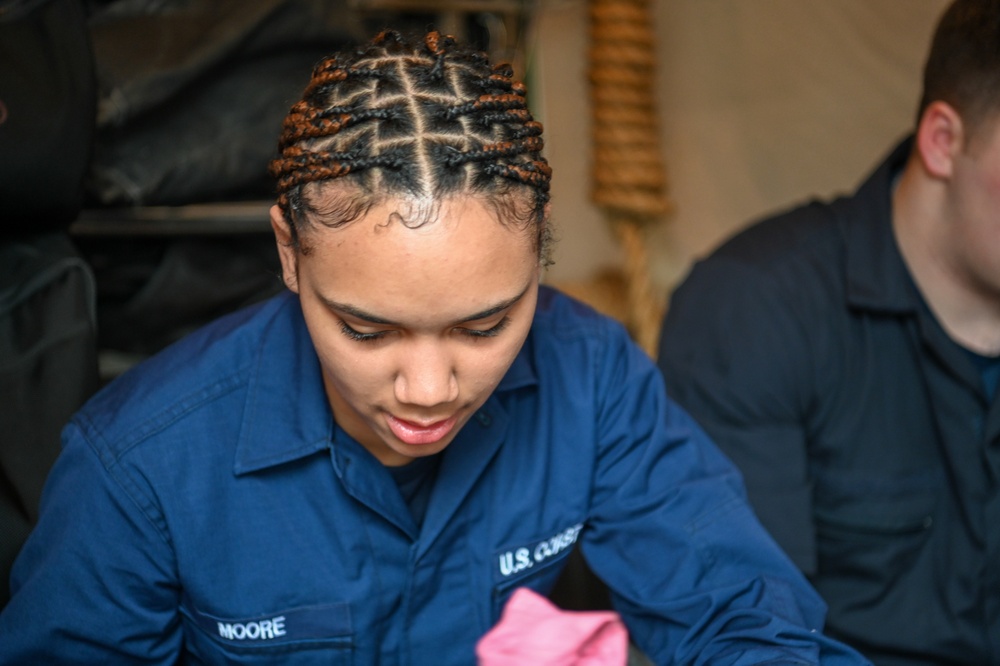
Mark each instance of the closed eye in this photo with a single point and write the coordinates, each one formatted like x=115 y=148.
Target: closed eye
x=358 y=335
x=491 y=332
x=376 y=336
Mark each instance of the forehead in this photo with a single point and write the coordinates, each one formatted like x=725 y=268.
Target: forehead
x=417 y=222
x=407 y=255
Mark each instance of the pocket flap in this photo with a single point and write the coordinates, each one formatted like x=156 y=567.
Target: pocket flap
x=303 y=624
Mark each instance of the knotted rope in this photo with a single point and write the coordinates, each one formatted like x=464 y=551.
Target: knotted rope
x=629 y=177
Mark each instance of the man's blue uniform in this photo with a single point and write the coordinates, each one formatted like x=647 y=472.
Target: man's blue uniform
x=206 y=507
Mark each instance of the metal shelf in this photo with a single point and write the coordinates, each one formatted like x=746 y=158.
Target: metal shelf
x=208 y=219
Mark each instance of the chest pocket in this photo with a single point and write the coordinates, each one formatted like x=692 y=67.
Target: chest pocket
x=874 y=525
x=300 y=636
x=535 y=564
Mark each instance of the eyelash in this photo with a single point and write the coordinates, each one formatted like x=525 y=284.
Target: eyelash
x=491 y=332
x=378 y=335
x=358 y=335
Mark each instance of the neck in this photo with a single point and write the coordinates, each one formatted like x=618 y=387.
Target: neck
x=922 y=221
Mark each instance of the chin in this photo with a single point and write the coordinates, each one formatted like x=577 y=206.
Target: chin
x=423 y=450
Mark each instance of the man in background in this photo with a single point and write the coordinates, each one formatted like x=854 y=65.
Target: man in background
x=846 y=354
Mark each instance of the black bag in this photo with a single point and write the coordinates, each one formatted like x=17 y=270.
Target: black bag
x=48 y=351
x=192 y=93
x=48 y=368
x=47 y=113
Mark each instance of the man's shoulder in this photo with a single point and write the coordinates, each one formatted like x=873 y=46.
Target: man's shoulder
x=811 y=228
x=801 y=249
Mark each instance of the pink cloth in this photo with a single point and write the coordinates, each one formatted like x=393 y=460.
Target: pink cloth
x=533 y=631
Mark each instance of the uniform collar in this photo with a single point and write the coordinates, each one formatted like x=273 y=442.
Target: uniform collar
x=877 y=277
x=522 y=371
x=287 y=415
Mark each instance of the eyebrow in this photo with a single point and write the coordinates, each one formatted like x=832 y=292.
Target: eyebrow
x=375 y=319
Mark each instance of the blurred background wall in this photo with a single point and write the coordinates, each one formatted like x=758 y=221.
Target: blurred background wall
x=763 y=103
x=759 y=105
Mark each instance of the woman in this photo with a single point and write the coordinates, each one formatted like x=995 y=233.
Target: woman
x=363 y=469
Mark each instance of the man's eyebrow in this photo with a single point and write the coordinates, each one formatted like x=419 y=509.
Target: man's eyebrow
x=357 y=312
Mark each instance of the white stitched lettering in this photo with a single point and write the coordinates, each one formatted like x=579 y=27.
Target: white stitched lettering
x=519 y=559
x=557 y=544
x=262 y=630
x=265 y=629
x=514 y=561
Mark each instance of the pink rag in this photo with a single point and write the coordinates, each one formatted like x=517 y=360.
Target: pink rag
x=533 y=631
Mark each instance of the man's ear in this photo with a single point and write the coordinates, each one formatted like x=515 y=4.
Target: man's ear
x=286 y=249
x=940 y=138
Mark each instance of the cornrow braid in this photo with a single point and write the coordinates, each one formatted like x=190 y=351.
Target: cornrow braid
x=504 y=102
x=438 y=45
x=305 y=123
x=425 y=118
x=506 y=116
x=526 y=173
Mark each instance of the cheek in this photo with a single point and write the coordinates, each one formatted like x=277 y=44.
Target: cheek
x=483 y=368
x=352 y=373
x=478 y=373
x=983 y=191
x=989 y=202
x=350 y=370
x=984 y=217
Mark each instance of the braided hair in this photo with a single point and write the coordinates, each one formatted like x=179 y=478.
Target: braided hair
x=423 y=119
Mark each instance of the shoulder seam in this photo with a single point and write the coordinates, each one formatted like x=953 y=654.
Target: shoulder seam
x=117 y=447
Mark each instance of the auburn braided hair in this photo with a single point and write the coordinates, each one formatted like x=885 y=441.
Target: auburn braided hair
x=424 y=118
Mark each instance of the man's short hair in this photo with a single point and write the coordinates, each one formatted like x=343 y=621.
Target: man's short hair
x=963 y=66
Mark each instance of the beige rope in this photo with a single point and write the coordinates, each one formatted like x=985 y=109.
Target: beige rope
x=645 y=308
x=629 y=178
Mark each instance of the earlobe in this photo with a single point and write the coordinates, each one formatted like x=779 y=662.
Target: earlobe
x=286 y=249
x=939 y=139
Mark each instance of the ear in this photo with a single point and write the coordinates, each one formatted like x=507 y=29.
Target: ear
x=286 y=249
x=940 y=138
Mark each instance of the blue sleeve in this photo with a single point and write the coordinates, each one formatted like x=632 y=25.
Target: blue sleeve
x=735 y=354
x=95 y=583
x=693 y=573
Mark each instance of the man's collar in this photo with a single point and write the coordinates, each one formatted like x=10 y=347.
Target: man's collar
x=877 y=277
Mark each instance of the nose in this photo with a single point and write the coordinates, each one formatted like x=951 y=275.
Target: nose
x=426 y=375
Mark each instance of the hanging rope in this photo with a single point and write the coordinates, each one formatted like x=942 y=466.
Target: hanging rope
x=629 y=178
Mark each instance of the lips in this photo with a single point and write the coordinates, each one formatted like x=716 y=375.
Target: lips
x=416 y=434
